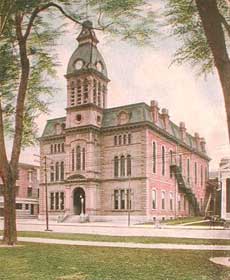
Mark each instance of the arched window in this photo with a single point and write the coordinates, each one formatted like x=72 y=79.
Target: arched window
x=129 y=165
x=63 y=147
x=57 y=171
x=73 y=160
x=99 y=94
x=163 y=160
x=116 y=166
x=122 y=166
x=51 y=148
x=59 y=148
x=85 y=91
x=55 y=148
x=120 y=140
x=62 y=170
x=72 y=94
x=78 y=157
x=95 y=91
x=79 y=92
x=83 y=158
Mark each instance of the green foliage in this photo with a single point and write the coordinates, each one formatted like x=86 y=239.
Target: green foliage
x=182 y=18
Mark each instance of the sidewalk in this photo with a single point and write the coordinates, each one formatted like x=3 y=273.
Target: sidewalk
x=123 y=230
x=127 y=245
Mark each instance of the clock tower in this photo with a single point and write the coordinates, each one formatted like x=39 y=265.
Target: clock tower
x=86 y=81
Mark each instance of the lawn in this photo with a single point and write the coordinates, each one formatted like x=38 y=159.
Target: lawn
x=58 y=262
x=135 y=239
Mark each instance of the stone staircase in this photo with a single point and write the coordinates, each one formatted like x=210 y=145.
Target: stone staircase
x=185 y=188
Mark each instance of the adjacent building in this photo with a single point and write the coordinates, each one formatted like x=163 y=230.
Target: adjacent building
x=27 y=192
x=104 y=162
x=224 y=185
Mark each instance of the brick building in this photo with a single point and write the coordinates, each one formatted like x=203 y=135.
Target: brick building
x=104 y=161
x=27 y=194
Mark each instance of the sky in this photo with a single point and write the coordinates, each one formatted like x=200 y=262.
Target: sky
x=142 y=74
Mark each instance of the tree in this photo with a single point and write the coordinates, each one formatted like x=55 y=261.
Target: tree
x=203 y=27
x=26 y=39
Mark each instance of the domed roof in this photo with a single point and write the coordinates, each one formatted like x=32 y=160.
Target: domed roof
x=87 y=56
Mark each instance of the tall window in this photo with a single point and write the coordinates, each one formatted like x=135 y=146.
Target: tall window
x=85 y=91
x=83 y=158
x=154 y=157
x=163 y=200
x=51 y=148
x=154 y=199
x=124 y=139
x=99 y=95
x=201 y=175
x=72 y=94
x=171 y=201
x=170 y=163
x=179 y=202
x=57 y=201
x=94 y=91
x=78 y=157
x=188 y=170
x=128 y=201
x=79 y=92
x=51 y=173
x=62 y=171
x=52 y=201
x=57 y=171
x=122 y=166
x=195 y=171
x=63 y=147
x=122 y=199
x=104 y=95
x=129 y=138
x=120 y=139
x=180 y=162
x=115 y=140
x=62 y=203
x=73 y=159
x=116 y=199
x=163 y=160
x=129 y=167
x=116 y=166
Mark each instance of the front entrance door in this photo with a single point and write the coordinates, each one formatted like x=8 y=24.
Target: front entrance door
x=78 y=199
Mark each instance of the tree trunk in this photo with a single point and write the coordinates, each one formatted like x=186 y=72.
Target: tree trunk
x=10 y=233
x=212 y=24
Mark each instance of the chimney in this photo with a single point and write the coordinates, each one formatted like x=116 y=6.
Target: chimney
x=165 y=117
x=202 y=145
x=182 y=131
x=155 y=110
x=197 y=139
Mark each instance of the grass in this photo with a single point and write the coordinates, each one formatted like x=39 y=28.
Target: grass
x=135 y=239
x=59 y=262
x=180 y=221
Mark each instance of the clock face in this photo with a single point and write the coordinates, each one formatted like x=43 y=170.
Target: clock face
x=78 y=64
x=99 y=66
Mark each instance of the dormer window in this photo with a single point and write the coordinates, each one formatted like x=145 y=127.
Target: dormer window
x=99 y=66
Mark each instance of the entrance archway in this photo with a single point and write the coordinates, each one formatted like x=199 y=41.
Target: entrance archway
x=77 y=195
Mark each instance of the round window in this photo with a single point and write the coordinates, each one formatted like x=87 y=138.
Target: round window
x=78 y=64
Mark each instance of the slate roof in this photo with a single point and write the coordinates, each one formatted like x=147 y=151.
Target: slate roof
x=138 y=113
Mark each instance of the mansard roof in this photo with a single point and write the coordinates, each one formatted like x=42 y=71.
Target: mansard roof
x=137 y=114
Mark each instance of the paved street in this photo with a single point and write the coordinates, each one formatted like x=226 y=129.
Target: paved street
x=124 y=230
